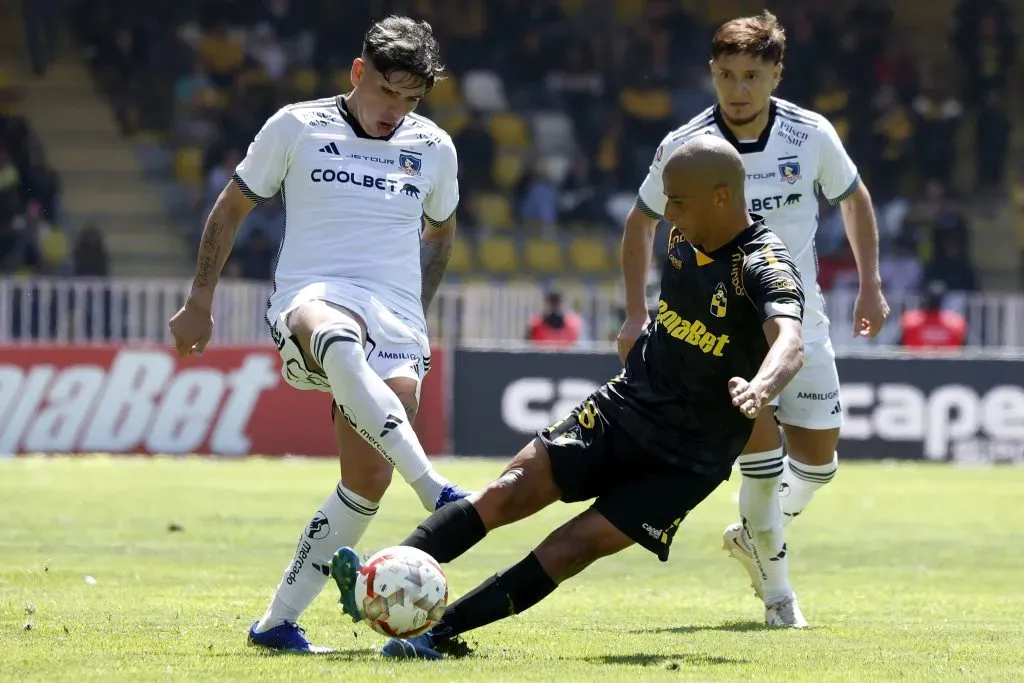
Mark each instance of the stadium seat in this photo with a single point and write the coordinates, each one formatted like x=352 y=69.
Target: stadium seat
x=461 y=259
x=571 y=7
x=493 y=210
x=509 y=131
x=543 y=256
x=626 y=11
x=653 y=104
x=484 y=91
x=188 y=165
x=452 y=121
x=589 y=255
x=553 y=132
x=497 y=255
x=618 y=206
x=508 y=169
x=341 y=80
x=556 y=166
x=305 y=82
x=445 y=94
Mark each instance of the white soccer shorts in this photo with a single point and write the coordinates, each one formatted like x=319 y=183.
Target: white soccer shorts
x=393 y=348
x=811 y=399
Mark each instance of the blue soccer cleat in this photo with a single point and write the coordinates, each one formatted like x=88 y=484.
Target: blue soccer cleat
x=345 y=566
x=449 y=494
x=420 y=647
x=288 y=637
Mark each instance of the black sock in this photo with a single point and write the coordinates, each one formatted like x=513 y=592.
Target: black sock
x=510 y=592
x=449 y=532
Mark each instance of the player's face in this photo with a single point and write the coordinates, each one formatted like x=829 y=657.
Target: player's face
x=685 y=211
x=743 y=85
x=380 y=103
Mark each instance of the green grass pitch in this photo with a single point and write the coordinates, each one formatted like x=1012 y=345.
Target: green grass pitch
x=906 y=572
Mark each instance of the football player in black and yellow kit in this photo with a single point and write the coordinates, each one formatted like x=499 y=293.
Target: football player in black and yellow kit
x=655 y=441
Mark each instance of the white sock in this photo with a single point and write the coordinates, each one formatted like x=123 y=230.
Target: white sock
x=341 y=520
x=761 y=511
x=799 y=484
x=372 y=409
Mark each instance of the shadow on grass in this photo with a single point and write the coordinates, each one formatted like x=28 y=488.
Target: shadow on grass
x=728 y=626
x=335 y=656
x=669 y=661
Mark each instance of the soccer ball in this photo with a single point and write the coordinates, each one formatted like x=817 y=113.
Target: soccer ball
x=401 y=592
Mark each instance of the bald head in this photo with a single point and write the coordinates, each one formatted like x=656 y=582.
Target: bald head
x=703 y=164
x=703 y=185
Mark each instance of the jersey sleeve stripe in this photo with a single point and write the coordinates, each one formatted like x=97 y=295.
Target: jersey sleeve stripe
x=846 y=193
x=434 y=223
x=253 y=197
x=694 y=126
x=646 y=210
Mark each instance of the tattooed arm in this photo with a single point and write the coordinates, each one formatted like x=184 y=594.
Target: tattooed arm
x=435 y=248
x=230 y=209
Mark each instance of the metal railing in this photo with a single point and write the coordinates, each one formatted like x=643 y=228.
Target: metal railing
x=84 y=311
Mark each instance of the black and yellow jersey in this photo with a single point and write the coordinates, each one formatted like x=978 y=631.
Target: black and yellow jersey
x=673 y=397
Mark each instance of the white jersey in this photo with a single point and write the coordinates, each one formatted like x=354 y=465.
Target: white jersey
x=797 y=155
x=354 y=204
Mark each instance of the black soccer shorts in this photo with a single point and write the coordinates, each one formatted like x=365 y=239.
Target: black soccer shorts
x=644 y=497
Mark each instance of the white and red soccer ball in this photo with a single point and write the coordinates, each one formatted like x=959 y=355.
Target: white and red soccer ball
x=401 y=592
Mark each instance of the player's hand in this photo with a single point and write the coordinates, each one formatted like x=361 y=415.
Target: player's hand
x=631 y=330
x=745 y=397
x=191 y=328
x=870 y=312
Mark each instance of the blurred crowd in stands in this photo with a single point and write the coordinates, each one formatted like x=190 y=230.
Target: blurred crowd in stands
x=556 y=107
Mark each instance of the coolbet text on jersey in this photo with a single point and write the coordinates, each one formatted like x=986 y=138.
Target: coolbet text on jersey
x=354 y=204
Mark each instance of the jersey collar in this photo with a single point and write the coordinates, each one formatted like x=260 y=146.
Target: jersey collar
x=351 y=120
x=747 y=147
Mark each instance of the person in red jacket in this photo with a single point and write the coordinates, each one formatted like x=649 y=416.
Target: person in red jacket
x=931 y=327
x=555 y=326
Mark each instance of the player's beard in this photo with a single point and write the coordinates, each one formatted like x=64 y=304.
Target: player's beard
x=744 y=121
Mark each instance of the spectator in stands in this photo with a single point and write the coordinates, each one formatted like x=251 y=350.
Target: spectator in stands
x=539 y=203
x=581 y=199
x=19 y=253
x=10 y=185
x=42 y=19
x=556 y=326
x=984 y=38
x=951 y=264
x=893 y=138
x=932 y=327
x=89 y=255
x=221 y=53
x=266 y=51
x=937 y=118
x=50 y=242
x=578 y=87
x=476 y=155
x=992 y=143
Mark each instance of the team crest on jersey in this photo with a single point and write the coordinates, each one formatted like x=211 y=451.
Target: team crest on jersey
x=411 y=164
x=719 y=301
x=789 y=171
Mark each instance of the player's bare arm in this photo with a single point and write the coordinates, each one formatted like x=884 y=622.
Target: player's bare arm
x=435 y=250
x=871 y=309
x=192 y=326
x=785 y=358
x=637 y=249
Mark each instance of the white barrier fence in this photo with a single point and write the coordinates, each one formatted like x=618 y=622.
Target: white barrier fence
x=62 y=311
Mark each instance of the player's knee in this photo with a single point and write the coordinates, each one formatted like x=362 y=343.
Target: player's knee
x=814 y=447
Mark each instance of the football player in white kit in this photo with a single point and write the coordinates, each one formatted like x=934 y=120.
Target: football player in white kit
x=790 y=155
x=370 y=192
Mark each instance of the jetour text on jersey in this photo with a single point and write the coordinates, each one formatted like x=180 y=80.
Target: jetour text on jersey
x=694 y=333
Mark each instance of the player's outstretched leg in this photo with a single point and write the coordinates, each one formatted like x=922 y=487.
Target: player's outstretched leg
x=526 y=486
x=567 y=551
x=335 y=341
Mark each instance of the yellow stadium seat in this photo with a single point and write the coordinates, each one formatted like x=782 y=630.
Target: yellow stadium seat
x=341 y=80
x=493 y=210
x=650 y=105
x=188 y=165
x=543 y=255
x=497 y=255
x=589 y=255
x=571 y=7
x=452 y=122
x=509 y=130
x=461 y=259
x=628 y=10
x=508 y=170
x=446 y=94
x=305 y=82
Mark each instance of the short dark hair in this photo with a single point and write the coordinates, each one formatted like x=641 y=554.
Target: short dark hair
x=760 y=36
x=400 y=44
